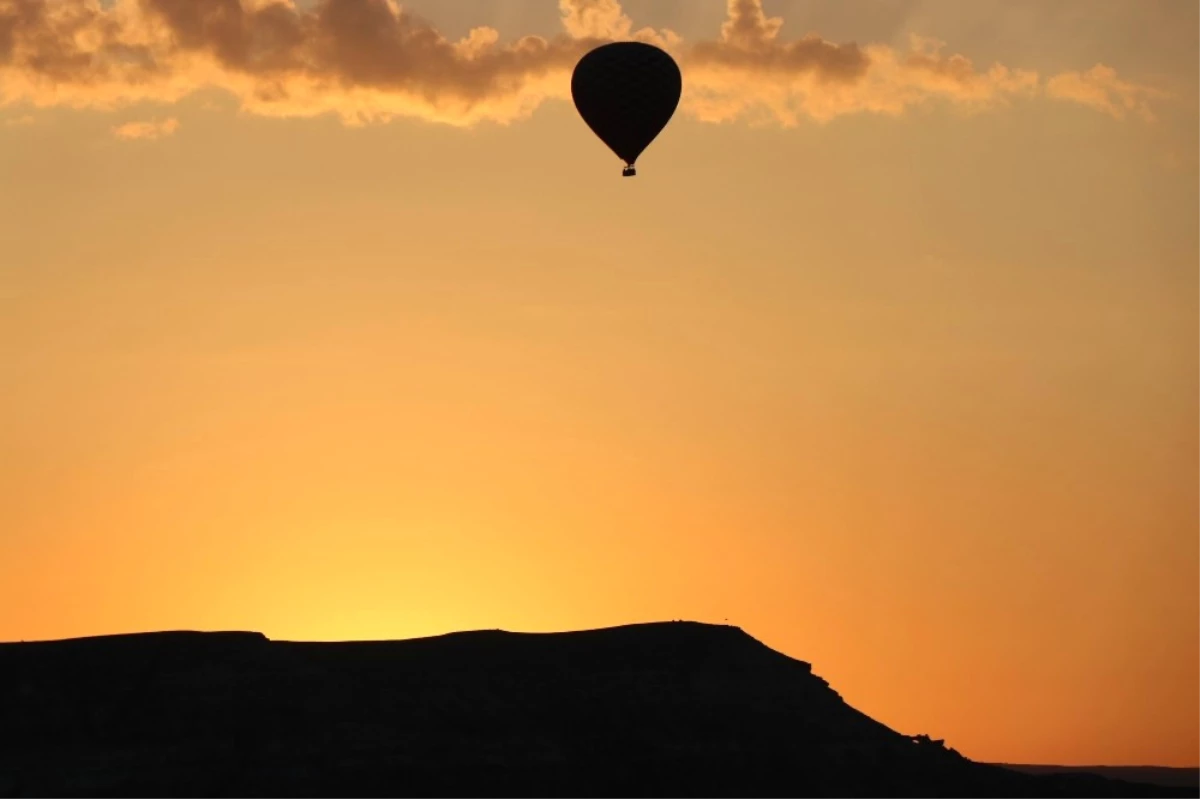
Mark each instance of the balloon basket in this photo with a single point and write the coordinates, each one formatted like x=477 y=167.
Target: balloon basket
x=628 y=172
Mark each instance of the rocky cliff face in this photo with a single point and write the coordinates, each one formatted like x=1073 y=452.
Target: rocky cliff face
x=673 y=708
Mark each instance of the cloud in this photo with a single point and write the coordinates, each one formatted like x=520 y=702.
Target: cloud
x=369 y=60
x=21 y=121
x=749 y=71
x=146 y=130
x=1101 y=89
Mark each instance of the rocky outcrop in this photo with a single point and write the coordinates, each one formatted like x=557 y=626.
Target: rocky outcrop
x=659 y=709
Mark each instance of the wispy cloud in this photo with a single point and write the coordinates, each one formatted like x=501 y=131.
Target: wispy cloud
x=146 y=130
x=1100 y=88
x=368 y=60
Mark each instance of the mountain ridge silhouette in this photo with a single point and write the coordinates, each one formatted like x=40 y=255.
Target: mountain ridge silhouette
x=661 y=708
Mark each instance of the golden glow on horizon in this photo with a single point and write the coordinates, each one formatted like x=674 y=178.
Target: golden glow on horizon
x=912 y=397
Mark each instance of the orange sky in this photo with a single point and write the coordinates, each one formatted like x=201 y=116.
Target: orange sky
x=334 y=322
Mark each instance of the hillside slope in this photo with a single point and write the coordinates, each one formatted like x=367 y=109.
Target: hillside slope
x=657 y=709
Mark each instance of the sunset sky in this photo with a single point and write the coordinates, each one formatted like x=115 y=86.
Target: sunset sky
x=334 y=321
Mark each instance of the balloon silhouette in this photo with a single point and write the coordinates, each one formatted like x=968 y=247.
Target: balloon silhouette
x=626 y=92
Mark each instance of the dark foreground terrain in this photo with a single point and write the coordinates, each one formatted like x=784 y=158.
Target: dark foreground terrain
x=1151 y=775
x=673 y=709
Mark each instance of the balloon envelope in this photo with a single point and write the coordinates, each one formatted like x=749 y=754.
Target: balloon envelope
x=626 y=92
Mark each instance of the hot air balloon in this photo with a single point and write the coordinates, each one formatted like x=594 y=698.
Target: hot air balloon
x=626 y=92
